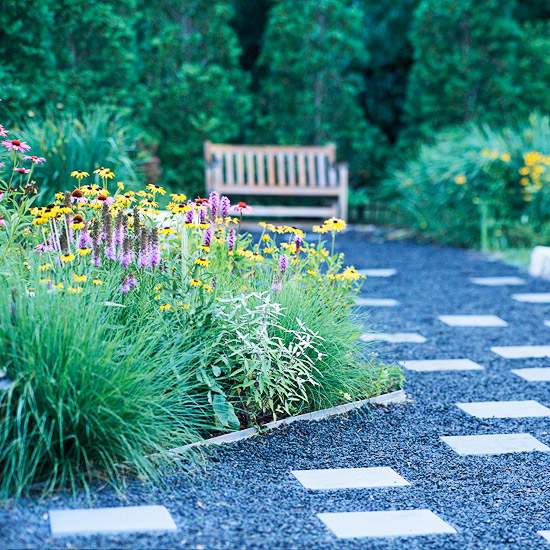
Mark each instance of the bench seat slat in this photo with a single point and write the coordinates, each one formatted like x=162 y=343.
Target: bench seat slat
x=286 y=191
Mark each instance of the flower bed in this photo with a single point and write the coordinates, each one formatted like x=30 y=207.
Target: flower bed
x=127 y=331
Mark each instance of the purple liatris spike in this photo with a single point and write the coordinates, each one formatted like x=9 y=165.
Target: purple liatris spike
x=124 y=286
x=208 y=236
x=225 y=203
x=132 y=282
x=84 y=239
x=283 y=263
x=189 y=213
x=154 y=248
x=144 y=257
x=126 y=252
x=110 y=250
x=298 y=242
x=231 y=240
x=119 y=230
x=202 y=214
x=214 y=200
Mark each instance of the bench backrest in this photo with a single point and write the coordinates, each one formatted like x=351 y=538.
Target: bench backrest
x=292 y=168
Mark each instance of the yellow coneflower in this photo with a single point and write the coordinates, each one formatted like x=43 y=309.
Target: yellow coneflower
x=335 y=224
x=79 y=278
x=79 y=174
x=67 y=258
x=195 y=282
x=97 y=282
x=156 y=189
x=178 y=197
x=45 y=267
x=165 y=307
x=202 y=261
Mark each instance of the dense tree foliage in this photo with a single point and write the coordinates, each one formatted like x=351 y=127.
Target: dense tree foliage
x=362 y=73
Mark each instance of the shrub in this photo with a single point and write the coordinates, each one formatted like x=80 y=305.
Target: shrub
x=99 y=137
x=480 y=183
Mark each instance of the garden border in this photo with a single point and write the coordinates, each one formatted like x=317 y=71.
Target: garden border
x=398 y=396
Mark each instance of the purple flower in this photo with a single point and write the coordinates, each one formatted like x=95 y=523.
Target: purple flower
x=298 y=242
x=276 y=286
x=132 y=282
x=110 y=250
x=225 y=203
x=214 y=200
x=124 y=286
x=189 y=214
x=84 y=239
x=208 y=236
x=231 y=240
x=283 y=263
x=202 y=214
x=154 y=248
x=126 y=253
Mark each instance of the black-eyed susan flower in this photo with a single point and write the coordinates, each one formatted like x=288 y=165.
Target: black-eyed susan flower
x=97 y=282
x=335 y=224
x=204 y=262
x=67 y=257
x=195 y=283
x=58 y=286
x=84 y=251
x=208 y=288
x=320 y=229
x=79 y=174
x=75 y=290
x=79 y=278
x=45 y=281
x=156 y=189
x=45 y=267
x=178 y=197
x=165 y=307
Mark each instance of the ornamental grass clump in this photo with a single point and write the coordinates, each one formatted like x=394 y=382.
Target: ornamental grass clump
x=128 y=330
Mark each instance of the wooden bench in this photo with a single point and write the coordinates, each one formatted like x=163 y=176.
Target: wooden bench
x=277 y=171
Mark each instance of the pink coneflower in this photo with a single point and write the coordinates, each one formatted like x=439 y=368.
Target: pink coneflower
x=78 y=197
x=2 y=164
x=283 y=263
x=43 y=247
x=231 y=240
x=214 y=200
x=242 y=208
x=36 y=160
x=225 y=204
x=22 y=170
x=16 y=145
x=3 y=133
x=103 y=199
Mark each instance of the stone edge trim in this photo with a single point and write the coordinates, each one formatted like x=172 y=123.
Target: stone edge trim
x=398 y=396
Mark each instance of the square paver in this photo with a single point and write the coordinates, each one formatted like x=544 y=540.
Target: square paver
x=472 y=320
x=97 y=521
x=376 y=302
x=535 y=374
x=497 y=281
x=395 y=338
x=398 y=523
x=431 y=365
x=378 y=272
x=349 y=478
x=545 y=535
x=522 y=352
x=533 y=297
x=494 y=444
x=505 y=409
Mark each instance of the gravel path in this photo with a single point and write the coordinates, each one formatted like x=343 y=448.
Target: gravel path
x=247 y=497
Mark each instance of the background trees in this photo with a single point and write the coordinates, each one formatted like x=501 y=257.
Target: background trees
x=376 y=77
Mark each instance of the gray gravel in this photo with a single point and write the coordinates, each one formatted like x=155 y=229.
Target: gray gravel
x=247 y=498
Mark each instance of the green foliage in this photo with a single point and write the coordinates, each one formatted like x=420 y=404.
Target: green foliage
x=310 y=94
x=100 y=137
x=472 y=62
x=90 y=397
x=480 y=182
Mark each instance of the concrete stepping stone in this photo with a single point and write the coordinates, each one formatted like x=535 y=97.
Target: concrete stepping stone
x=493 y=444
x=392 y=523
x=432 y=365
x=497 y=281
x=535 y=374
x=522 y=352
x=533 y=297
x=395 y=338
x=349 y=478
x=376 y=302
x=378 y=272
x=505 y=409
x=100 y=521
x=472 y=320
x=545 y=535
